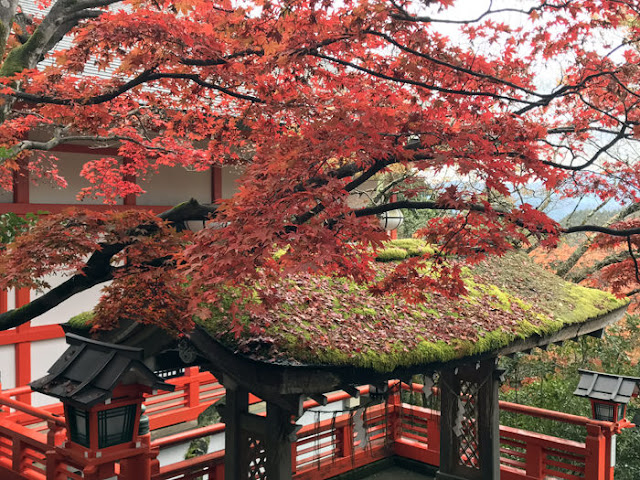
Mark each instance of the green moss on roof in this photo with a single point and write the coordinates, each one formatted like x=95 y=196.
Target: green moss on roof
x=319 y=320
x=82 y=321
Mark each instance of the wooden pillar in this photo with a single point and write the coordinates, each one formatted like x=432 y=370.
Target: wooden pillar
x=470 y=426
x=216 y=183
x=129 y=199
x=235 y=441
x=21 y=183
x=139 y=467
x=4 y=301
x=489 y=420
x=22 y=350
x=595 y=461
x=278 y=443
x=449 y=445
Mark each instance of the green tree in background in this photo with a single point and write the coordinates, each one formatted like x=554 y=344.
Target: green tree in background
x=548 y=380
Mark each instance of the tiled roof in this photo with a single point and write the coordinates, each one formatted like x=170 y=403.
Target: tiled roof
x=89 y=370
x=605 y=386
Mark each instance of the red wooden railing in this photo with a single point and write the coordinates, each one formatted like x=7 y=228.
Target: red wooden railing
x=195 y=391
x=322 y=450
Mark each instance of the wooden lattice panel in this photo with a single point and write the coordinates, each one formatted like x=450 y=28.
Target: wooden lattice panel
x=467 y=430
x=256 y=458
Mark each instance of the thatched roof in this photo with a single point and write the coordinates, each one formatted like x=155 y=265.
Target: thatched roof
x=512 y=304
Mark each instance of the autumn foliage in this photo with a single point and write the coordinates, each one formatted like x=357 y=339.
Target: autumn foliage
x=312 y=99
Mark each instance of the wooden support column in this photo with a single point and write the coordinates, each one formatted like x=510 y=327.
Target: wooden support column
x=489 y=420
x=216 y=183
x=470 y=427
x=278 y=443
x=235 y=441
x=4 y=301
x=23 y=349
x=256 y=446
x=449 y=445
x=21 y=183
x=129 y=199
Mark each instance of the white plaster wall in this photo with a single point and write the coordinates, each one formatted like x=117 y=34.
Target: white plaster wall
x=173 y=185
x=11 y=299
x=43 y=354
x=7 y=366
x=5 y=197
x=364 y=195
x=79 y=303
x=229 y=177
x=69 y=165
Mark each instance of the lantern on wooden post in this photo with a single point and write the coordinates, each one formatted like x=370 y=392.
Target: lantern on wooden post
x=609 y=394
x=101 y=386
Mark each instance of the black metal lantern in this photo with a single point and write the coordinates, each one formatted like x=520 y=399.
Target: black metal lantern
x=609 y=394
x=101 y=386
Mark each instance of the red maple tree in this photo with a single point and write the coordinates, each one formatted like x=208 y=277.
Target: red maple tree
x=312 y=99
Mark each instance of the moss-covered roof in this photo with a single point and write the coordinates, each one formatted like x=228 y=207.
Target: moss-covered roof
x=320 y=320
x=327 y=321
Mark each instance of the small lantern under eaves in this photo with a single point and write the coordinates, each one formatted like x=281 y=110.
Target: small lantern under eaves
x=609 y=394
x=101 y=386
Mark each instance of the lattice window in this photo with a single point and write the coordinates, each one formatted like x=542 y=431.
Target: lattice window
x=256 y=458
x=466 y=427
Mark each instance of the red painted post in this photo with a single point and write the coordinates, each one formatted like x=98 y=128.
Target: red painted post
x=4 y=301
x=153 y=460
x=17 y=454
x=345 y=439
x=535 y=460
x=219 y=475
x=294 y=457
x=53 y=464
x=56 y=434
x=609 y=469
x=139 y=466
x=394 y=403
x=216 y=183
x=192 y=387
x=23 y=349
x=596 y=453
x=433 y=433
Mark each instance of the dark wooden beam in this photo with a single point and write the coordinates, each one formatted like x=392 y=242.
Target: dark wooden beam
x=352 y=390
x=320 y=399
x=569 y=332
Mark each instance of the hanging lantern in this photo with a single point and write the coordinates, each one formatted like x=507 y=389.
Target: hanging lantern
x=391 y=220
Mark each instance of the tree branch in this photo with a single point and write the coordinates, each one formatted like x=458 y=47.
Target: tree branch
x=407 y=17
x=581 y=275
x=426 y=86
x=426 y=205
x=144 y=77
x=99 y=269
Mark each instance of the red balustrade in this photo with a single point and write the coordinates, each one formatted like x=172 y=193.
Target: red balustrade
x=29 y=435
x=195 y=391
